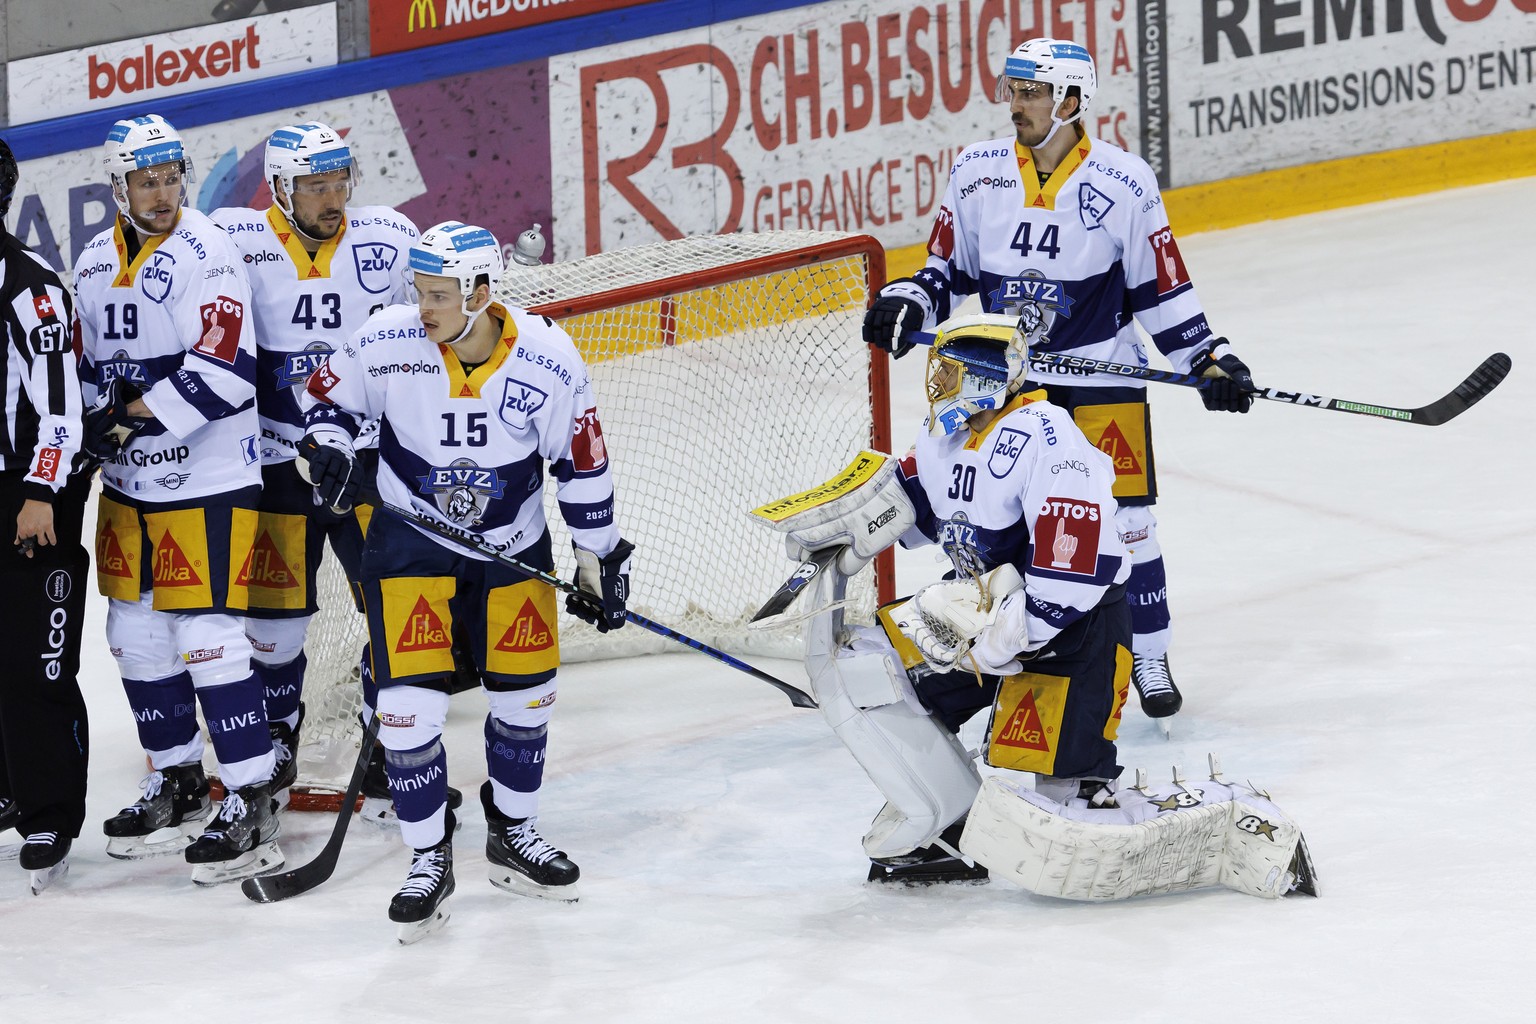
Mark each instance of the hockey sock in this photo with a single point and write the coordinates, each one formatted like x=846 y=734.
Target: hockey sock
x=370 y=688
x=514 y=758
x=165 y=711
x=282 y=685
x=1147 y=593
x=418 y=781
x=237 y=724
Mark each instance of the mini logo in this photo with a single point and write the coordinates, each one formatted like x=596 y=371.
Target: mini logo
x=172 y=481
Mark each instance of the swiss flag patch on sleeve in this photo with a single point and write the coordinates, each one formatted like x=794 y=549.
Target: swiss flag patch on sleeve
x=589 y=453
x=222 y=320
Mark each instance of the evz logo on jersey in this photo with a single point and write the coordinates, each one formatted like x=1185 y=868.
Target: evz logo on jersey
x=462 y=489
x=1033 y=289
x=518 y=402
x=1092 y=206
x=297 y=366
x=119 y=365
x=959 y=540
x=374 y=263
x=1170 y=265
x=155 y=281
x=1006 y=450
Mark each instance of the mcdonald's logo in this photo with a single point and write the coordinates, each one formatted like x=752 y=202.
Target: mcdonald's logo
x=421 y=13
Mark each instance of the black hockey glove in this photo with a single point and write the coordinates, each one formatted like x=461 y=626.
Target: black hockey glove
x=1231 y=388
x=605 y=587
x=889 y=321
x=108 y=427
x=333 y=471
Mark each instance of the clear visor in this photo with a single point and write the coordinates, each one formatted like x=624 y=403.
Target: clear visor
x=1024 y=88
x=319 y=185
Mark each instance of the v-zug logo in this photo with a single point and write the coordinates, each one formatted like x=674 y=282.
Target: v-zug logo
x=119 y=365
x=155 y=281
x=374 y=262
x=296 y=367
x=519 y=401
x=463 y=489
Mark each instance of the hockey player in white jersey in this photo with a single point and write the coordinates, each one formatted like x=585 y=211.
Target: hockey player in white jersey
x=1075 y=225
x=1032 y=625
x=473 y=399
x=318 y=269
x=168 y=365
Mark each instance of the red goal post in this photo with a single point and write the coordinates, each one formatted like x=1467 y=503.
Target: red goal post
x=728 y=370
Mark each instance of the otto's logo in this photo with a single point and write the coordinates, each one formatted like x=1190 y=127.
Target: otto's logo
x=941 y=241
x=1170 y=265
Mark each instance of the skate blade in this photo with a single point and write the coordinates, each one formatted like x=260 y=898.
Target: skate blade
x=259 y=860
x=1166 y=726
x=415 y=931
x=516 y=882
x=379 y=812
x=45 y=877
x=159 y=843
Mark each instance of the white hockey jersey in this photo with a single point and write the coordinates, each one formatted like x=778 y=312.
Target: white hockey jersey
x=173 y=321
x=469 y=451
x=1029 y=490
x=1086 y=251
x=304 y=307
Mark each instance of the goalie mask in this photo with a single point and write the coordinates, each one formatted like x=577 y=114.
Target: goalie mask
x=465 y=253
x=140 y=143
x=1059 y=63
x=975 y=365
x=303 y=149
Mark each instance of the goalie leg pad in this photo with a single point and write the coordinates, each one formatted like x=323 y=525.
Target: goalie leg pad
x=926 y=776
x=1169 y=840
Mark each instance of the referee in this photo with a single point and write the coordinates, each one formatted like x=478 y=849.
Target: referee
x=44 y=741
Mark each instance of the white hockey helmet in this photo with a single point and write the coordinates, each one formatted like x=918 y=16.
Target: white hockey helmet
x=975 y=365
x=463 y=252
x=138 y=142
x=312 y=148
x=1061 y=63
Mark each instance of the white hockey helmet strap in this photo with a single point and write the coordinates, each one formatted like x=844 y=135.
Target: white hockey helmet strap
x=311 y=148
x=975 y=365
x=1062 y=64
x=137 y=143
x=463 y=252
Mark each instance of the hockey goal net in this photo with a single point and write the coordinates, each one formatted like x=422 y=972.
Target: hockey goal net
x=729 y=370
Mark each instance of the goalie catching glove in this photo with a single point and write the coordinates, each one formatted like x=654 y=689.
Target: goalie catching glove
x=954 y=632
x=331 y=467
x=605 y=587
x=108 y=427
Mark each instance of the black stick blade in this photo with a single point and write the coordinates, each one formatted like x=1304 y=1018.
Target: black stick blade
x=1489 y=375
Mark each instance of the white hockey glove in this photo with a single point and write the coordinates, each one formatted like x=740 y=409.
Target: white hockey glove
x=949 y=627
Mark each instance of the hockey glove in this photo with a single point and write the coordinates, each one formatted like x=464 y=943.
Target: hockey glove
x=1231 y=388
x=889 y=321
x=605 y=587
x=332 y=469
x=108 y=427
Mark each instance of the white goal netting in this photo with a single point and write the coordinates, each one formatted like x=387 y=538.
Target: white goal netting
x=729 y=370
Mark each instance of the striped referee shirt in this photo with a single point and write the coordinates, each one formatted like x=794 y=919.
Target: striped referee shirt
x=41 y=433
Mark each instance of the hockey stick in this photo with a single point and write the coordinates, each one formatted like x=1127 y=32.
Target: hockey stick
x=272 y=888
x=792 y=587
x=1488 y=375
x=474 y=542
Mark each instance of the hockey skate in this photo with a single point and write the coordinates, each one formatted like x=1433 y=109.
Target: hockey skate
x=421 y=906
x=378 y=806
x=240 y=840
x=46 y=855
x=940 y=861
x=1160 y=697
x=10 y=813
x=285 y=746
x=165 y=819
x=521 y=860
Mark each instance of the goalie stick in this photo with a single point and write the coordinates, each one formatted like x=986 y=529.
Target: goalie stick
x=1488 y=375
x=474 y=542
x=793 y=587
x=280 y=886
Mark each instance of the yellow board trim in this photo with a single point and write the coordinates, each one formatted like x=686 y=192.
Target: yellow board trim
x=1327 y=185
